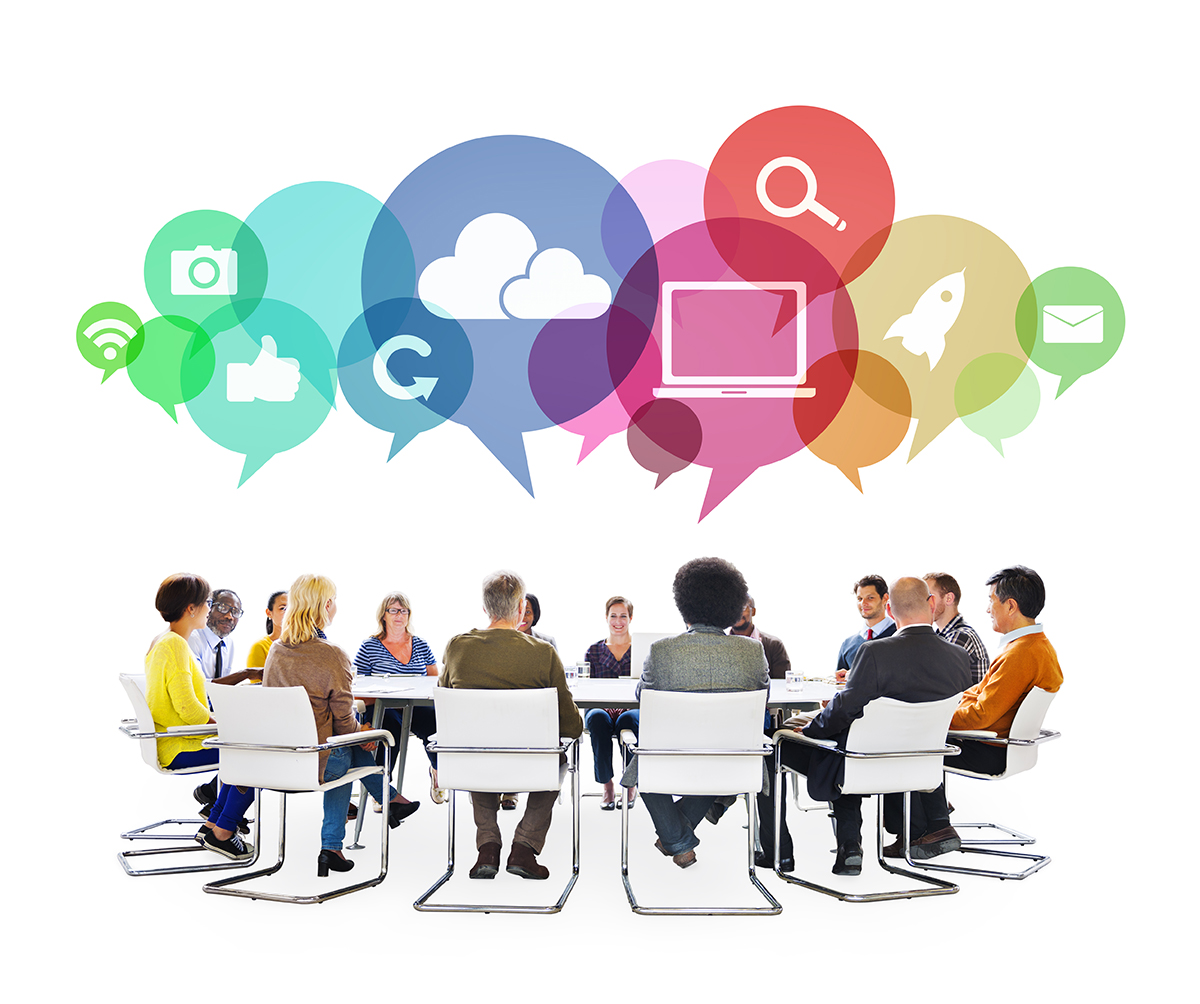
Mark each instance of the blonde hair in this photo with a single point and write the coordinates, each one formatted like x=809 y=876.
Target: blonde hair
x=386 y=602
x=305 y=614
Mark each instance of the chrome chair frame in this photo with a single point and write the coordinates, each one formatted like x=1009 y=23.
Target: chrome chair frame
x=132 y=728
x=1039 y=861
x=932 y=886
x=566 y=746
x=751 y=815
x=222 y=887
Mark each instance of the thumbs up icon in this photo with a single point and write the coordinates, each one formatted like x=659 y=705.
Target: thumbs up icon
x=266 y=379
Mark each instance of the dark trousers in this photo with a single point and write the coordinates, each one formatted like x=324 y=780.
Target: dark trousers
x=847 y=809
x=423 y=725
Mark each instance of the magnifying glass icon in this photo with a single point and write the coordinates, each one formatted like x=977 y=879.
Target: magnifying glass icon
x=807 y=204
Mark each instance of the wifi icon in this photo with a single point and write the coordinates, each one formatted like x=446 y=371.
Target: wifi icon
x=103 y=336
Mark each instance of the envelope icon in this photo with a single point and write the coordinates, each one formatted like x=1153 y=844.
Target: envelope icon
x=1073 y=323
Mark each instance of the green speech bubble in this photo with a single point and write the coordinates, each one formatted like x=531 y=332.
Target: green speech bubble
x=997 y=396
x=170 y=360
x=275 y=382
x=1070 y=321
x=103 y=336
x=207 y=266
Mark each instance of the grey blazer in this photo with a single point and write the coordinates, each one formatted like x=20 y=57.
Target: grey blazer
x=702 y=659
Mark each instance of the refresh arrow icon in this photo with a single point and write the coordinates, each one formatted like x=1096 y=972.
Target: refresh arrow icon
x=420 y=387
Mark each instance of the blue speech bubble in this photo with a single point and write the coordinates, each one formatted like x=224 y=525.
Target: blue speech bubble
x=508 y=232
x=404 y=369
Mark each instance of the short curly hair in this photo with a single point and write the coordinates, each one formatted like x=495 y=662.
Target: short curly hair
x=710 y=591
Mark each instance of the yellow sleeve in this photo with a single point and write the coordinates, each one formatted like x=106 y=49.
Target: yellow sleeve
x=258 y=654
x=182 y=680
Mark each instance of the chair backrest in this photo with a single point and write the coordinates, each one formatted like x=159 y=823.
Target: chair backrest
x=500 y=720
x=135 y=690
x=1027 y=724
x=675 y=720
x=891 y=726
x=269 y=716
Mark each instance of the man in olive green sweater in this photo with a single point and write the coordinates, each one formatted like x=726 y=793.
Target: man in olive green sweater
x=500 y=657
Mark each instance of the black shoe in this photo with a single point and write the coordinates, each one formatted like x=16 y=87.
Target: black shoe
x=206 y=793
x=205 y=810
x=762 y=860
x=849 y=860
x=243 y=825
x=234 y=848
x=331 y=859
x=400 y=811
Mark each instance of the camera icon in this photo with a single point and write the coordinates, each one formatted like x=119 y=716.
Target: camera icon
x=204 y=271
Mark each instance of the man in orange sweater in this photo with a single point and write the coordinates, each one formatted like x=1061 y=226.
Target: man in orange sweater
x=1015 y=597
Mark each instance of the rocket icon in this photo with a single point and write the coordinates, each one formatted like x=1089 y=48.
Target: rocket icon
x=923 y=330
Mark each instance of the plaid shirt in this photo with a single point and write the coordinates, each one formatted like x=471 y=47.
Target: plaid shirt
x=960 y=633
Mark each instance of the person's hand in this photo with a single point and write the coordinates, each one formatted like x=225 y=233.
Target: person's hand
x=254 y=674
x=369 y=747
x=840 y=676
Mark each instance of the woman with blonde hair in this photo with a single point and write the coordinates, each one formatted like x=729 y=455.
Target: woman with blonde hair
x=303 y=658
x=395 y=650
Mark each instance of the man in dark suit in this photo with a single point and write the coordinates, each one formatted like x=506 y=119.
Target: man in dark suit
x=913 y=665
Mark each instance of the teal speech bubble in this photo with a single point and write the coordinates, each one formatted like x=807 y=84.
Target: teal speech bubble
x=274 y=384
x=170 y=360
x=1070 y=321
x=206 y=265
x=103 y=336
x=1007 y=414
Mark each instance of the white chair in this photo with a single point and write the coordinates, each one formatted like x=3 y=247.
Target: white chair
x=268 y=739
x=1021 y=747
x=700 y=744
x=500 y=741
x=141 y=727
x=893 y=747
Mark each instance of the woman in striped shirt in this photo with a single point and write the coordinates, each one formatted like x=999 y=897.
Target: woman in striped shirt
x=395 y=650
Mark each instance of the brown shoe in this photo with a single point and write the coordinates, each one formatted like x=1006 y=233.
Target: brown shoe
x=488 y=863
x=522 y=861
x=932 y=844
x=895 y=849
x=685 y=860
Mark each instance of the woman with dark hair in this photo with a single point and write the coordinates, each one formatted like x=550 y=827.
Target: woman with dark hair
x=710 y=595
x=610 y=658
x=395 y=651
x=276 y=606
x=176 y=696
x=530 y=618
x=303 y=658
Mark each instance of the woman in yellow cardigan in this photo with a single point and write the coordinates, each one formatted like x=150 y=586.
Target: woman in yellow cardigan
x=176 y=696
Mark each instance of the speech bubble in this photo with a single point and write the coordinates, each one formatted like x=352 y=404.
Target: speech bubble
x=731 y=330
x=909 y=309
x=872 y=420
x=664 y=437
x=262 y=427
x=1070 y=322
x=207 y=266
x=170 y=361
x=479 y=217
x=103 y=336
x=811 y=171
x=997 y=397
x=314 y=236
x=404 y=369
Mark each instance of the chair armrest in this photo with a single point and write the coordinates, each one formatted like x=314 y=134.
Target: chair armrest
x=350 y=739
x=973 y=734
x=799 y=737
x=628 y=737
x=765 y=750
x=129 y=727
x=1045 y=736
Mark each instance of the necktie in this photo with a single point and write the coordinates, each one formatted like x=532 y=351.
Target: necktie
x=870 y=635
x=220 y=645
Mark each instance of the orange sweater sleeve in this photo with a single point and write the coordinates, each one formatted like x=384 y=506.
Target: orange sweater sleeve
x=1027 y=662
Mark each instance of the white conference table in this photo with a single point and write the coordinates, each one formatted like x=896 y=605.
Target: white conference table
x=407 y=692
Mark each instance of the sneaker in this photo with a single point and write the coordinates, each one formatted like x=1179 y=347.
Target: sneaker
x=234 y=848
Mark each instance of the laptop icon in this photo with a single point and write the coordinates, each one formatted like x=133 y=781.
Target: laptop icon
x=729 y=339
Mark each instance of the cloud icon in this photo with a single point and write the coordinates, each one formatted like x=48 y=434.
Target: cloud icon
x=487 y=277
x=557 y=285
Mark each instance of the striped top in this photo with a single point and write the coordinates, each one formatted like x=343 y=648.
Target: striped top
x=373 y=657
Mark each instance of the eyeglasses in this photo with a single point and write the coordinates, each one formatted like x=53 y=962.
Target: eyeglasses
x=396 y=611
x=225 y=608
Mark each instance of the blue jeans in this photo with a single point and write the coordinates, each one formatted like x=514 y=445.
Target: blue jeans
x=603 y=730
x=337 y=800
x=676 y=821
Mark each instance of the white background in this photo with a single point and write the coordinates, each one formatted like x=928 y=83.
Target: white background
x=1056 y=127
